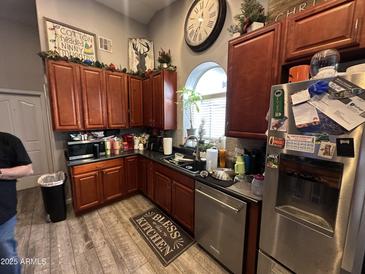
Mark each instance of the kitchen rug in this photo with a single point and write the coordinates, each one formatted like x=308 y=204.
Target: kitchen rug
x=166 y=239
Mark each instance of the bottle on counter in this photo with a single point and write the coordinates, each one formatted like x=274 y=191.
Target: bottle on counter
x=257 y=185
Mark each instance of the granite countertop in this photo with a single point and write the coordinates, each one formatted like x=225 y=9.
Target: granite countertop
x=240 y=190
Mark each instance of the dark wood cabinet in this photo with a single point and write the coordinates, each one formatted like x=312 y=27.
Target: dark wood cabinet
x=65 y=95
x=162 y=185
x=93 y=97
x=131 y=164
x=164 y=100
x=147 y=102
x=112 y=182
x=135 y=102
x=149 y=180
x=174 y=192
x=253 y=67
x=96 y=184
x=157 y=101
x=87 y=190
x=335 y=24
x=183 y=200
x=142 y=175
x=117 y=99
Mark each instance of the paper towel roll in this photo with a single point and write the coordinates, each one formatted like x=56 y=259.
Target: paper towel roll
x=167 y=146
x=212 y=159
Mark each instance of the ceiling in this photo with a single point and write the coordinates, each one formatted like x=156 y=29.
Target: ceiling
x=140 y=10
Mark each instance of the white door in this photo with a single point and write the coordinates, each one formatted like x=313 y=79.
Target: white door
x=24 y=115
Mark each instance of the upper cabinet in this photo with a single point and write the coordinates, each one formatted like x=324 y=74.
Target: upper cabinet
x=93 y=97
x=135 y=102
x=64 y=90
x=164 y=100
x=335 y=24
x=147 y=103
x=117 y=99
x=253 y=67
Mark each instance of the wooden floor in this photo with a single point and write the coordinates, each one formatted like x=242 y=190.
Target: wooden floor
x=103 y=241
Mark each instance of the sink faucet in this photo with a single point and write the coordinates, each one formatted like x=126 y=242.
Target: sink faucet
x=197 y=152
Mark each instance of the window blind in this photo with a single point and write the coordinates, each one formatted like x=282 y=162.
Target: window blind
x=213 y=111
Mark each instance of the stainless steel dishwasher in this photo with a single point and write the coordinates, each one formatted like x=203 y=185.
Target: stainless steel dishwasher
x=220 y=222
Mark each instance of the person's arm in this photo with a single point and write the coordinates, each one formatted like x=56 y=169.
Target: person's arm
x=16 y=172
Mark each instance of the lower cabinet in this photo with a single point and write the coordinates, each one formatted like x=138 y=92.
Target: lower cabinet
x=150 y=188
x=112 y=182
x=174 y=192
x=183 y=203
x=87 y=190
x=132 y=173
x=97 y=183
x=162 y=191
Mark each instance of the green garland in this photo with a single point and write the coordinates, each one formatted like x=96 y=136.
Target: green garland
x=54 y=55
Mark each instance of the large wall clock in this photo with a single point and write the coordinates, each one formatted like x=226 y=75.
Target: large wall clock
x=204 y=22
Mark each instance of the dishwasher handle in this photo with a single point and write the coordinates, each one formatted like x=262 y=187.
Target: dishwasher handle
x=236 y=210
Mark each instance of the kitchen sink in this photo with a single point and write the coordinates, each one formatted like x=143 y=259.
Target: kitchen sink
x=186 y=164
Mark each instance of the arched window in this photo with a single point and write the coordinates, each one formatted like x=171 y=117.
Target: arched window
x=210 y=80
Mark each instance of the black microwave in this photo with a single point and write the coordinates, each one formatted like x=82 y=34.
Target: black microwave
x=77 y=150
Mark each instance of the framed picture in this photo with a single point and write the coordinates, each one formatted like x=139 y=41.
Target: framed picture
x=140 y=54
x=70 y=41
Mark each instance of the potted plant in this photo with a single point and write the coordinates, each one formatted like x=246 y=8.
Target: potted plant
x=191 y=99
x=252 y=17
x=164 y=58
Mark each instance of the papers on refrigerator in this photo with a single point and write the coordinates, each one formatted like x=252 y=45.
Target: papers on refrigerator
x=300 y=97
x=349 y=113
x=305 y=115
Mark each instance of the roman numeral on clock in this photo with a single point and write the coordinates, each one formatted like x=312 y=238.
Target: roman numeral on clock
x=210 y=24
x=201 y=5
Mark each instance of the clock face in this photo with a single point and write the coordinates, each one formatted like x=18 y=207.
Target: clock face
x=204 y=22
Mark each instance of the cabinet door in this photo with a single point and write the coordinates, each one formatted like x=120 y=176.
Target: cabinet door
x=117 y=99
x=142 y=175
x=147 y=103
x=253 y=67
x=149 y=180
x=112 y=182
x=132 y=173
x=87 y=190
x=162 y=193
x=183 y=204
x=65 y=95
x=331 y=25
x=158 y=102
x=93 y=97
x=169 y=100
x=135 y=102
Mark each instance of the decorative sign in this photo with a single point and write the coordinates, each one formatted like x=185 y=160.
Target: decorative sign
x=140 y=54
x=300 y=143
x=327 y=150
x=69 y=41
x=277 y=142
x=279 y=9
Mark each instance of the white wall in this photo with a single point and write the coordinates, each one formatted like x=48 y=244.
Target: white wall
x=20 y=67
x=95 y=18
x=167 y=31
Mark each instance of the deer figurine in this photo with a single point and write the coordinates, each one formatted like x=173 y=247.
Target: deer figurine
x=141 y=53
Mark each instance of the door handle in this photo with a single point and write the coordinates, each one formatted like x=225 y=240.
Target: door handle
x=236 y=210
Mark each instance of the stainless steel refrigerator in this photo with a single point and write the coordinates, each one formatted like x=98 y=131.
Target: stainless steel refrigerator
x=313 y=204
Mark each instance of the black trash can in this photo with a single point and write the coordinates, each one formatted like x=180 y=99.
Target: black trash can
x=53 y=193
